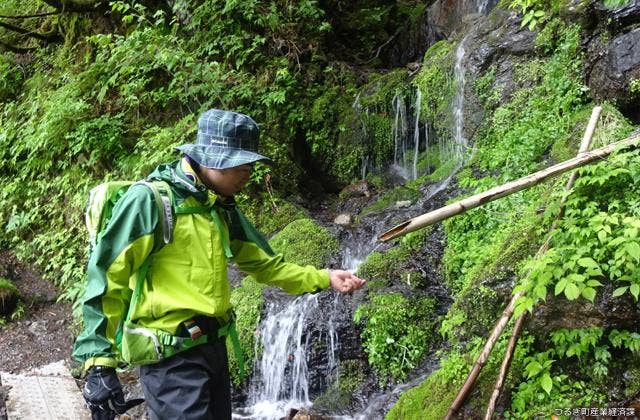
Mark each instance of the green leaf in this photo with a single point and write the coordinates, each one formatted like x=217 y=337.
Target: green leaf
x=571 y=291
x=587 y=262
x=589 y=293
x=560 y=286
x=633 y=249
x=546 y=383
x=602 y=235
x=620 y=291
x=594 y=283
x=635 y=290
x=540 y=291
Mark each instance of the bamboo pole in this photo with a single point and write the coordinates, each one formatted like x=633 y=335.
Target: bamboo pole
x=585 y=144
x=505 y=189
x=504 y=368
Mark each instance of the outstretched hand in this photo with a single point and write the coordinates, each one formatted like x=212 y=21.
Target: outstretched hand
x=344 y=281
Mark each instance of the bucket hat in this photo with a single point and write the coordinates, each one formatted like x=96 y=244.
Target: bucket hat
x=225 y=139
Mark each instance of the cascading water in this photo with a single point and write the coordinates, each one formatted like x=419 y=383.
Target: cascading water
x=416 y=134
x=459 y=141
x=282 y=373
x=400 y=128
x=404 y=164
x=281 y=380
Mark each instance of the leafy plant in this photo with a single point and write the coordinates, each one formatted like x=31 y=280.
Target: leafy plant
x=396 y=334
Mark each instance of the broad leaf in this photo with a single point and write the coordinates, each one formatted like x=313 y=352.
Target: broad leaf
x=571 y=291
x=546 y=383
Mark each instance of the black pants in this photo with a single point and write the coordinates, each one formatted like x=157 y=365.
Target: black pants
x=192 y=385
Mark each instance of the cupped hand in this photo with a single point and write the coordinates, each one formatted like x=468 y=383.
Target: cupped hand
x=344 y=281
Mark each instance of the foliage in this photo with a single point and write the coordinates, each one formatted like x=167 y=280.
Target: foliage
x=634 y=86
x=8 y=289
x=304 y=242
x=11 y=78
x=597 y=239
x=432 y=398
x=554 y=378
x=396 y=335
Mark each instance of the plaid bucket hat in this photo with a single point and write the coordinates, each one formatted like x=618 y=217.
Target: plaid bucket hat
x=225 y=139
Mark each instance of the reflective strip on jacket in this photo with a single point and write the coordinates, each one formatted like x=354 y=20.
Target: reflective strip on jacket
x=187 y=277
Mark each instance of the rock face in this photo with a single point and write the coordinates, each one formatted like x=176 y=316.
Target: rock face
x=605 y=312
x=615 y=67
x=8 y=300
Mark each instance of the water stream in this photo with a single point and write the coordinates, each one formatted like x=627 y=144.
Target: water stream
x=281 y=380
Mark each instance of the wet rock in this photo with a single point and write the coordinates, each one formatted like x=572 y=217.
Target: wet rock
x=38 y=328
x=612 y=68
x=302 y=414
x=8 y=300
x=342 y=219
x=361 y=188
x=620 y=18
x=446 y=16
x=605 y=312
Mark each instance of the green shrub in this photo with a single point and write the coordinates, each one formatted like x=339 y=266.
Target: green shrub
x=397 y=333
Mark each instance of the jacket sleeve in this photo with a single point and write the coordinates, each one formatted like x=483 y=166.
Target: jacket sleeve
x=122 y=248
x=272 y=270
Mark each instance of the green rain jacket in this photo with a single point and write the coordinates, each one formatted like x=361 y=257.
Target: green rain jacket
x=187 y=277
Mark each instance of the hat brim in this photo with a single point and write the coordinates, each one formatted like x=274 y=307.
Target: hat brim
x=221 y=157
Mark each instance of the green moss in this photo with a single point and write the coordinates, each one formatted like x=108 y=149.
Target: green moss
x=306 y=243
x=429 y=401
x=339 y=394
x=271 y=213
x=7 y=284
x=386 y=268
x=437 y=86
x=390 y=198
x=247 y=302
x=433 y=397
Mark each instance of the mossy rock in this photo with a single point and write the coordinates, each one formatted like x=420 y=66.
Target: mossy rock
x=390 y=198
x=340 y=394
x=304 y=242
x=8 y=297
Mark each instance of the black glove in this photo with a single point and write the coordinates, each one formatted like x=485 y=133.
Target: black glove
x=103 y=394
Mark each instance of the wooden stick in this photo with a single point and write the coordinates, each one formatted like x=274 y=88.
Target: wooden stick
x=585 y=144
x=508 y=311
x=506 y=189
x=504 y=368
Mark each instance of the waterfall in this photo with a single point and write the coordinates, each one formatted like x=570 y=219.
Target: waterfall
x=459 y=141
x=416 y=134
x=400 y=128
x=281 y=379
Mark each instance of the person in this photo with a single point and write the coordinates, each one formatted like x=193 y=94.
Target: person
x=185 y=288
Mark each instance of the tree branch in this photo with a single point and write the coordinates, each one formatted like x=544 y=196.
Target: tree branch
x=18 y=50
x=75 y=5
x=49 y=36
x=30 y=16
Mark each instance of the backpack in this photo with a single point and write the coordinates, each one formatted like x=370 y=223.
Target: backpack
x=103 y=198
